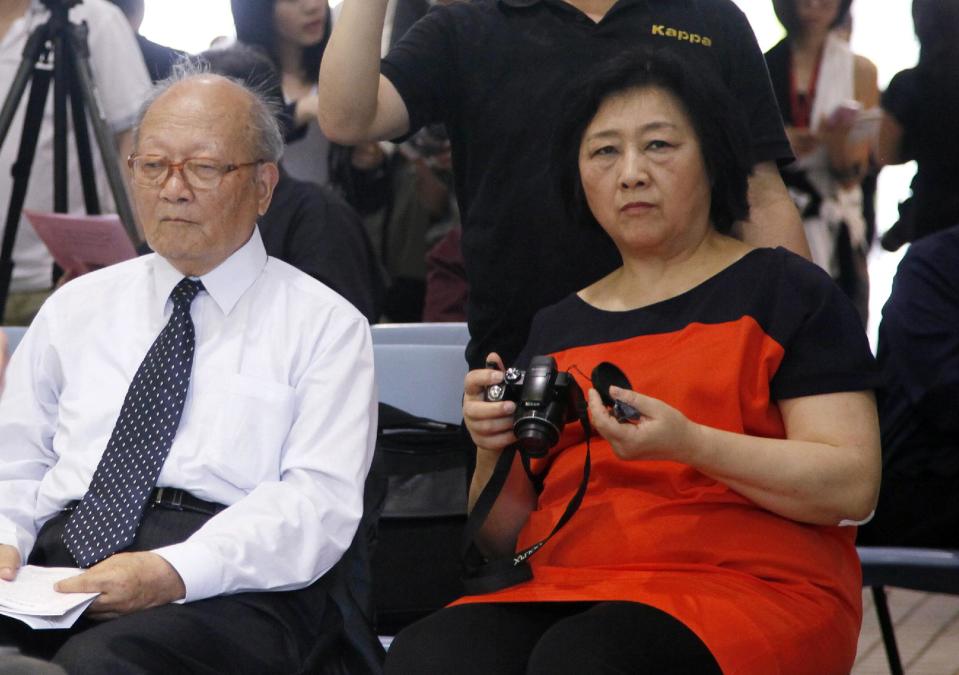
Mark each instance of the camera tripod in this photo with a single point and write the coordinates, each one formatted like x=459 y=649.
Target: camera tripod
x=58 y=50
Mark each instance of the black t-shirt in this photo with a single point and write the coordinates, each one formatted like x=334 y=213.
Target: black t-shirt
x=919 y=356
x=316 y=231
x=927 y=113
x=495 y=72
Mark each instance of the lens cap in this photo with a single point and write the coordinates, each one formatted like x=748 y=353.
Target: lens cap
x=606 y=375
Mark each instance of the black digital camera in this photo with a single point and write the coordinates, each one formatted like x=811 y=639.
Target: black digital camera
x=545 y=401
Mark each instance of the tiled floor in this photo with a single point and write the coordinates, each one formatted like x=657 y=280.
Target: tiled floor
x=927 y=632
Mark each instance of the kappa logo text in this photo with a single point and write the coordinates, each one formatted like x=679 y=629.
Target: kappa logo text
x=681 y=35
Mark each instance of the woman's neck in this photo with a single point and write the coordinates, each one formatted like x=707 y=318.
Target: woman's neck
x=647 y=279
x=808 y=44
x=291 y=59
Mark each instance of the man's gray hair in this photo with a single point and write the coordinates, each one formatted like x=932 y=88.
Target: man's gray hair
x=266 y=138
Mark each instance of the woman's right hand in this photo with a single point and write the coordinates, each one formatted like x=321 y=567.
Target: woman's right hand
x=490 y=423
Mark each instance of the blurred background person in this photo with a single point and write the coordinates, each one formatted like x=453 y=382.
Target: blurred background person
x=920 y=108
x=919 y=357
x=293 y=34
x=159 y=58
x=122 y=84
x=820 y=85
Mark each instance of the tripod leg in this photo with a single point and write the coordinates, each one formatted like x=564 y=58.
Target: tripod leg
x=105 y=142
x=21 y=177
x=61 y=201
x=81 y=135
x=31 y=55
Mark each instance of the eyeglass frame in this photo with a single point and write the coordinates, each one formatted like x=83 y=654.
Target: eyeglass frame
x=226 y=168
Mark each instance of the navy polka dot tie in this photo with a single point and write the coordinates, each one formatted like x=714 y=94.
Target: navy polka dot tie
x=108 y=516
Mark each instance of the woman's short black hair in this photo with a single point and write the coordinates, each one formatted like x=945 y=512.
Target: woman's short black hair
x=716 y=116
x=786 y=13
x=255 y=26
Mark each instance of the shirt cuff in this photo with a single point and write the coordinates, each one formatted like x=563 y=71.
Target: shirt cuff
x=191 y=560
x=16 y=537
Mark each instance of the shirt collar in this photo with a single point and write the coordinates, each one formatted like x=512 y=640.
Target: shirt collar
x=226 y=283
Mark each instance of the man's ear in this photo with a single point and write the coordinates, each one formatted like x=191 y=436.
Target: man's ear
x=267 y=175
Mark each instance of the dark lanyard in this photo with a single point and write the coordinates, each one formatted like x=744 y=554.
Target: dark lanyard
x=800 y=109
x=482 y=576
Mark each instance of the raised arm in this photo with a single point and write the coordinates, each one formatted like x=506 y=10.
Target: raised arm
x=773 y=218
x=356 y=103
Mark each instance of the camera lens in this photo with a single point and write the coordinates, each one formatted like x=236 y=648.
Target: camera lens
x=535 y=436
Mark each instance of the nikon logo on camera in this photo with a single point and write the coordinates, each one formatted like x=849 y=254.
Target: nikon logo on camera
x=681 y=35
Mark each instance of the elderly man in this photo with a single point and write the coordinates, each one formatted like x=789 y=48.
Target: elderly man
x=194 y=426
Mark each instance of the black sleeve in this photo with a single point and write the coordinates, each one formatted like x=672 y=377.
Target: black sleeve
x=919 y=334
x=748 y=78
x=901 y=97
x=420 y=67
x=825 y=349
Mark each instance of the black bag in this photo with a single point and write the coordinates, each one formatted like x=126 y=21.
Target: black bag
x=416 y=561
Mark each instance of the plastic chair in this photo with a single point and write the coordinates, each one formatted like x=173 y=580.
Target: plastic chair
x=919 y=569
x=420 y=370
x=14 y=335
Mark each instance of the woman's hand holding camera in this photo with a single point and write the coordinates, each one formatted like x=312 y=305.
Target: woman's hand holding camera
x=661 y=433
x=490 y=423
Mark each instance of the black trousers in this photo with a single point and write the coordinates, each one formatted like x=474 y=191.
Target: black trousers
x=280 y=632
x=549 y=638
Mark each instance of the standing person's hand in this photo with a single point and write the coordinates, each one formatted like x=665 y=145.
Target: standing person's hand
x=490 y=423
x=9 y=559
x=803 y=141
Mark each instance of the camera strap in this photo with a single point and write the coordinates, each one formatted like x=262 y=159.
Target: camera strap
x=485 y=576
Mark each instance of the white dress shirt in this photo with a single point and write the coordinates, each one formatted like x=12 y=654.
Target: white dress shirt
x=122 y=83
x=279 y=421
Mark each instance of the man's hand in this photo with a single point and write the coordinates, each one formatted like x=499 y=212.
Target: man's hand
x=127 y=582
x=9 y=558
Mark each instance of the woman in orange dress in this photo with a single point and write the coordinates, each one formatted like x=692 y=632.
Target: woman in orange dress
x=716 y=533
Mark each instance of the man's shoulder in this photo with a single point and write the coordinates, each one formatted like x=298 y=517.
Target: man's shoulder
x=115 y=276
x=307 y=294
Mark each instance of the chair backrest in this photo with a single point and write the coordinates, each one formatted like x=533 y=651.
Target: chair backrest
x=420 y=368
x=14 y=335
x=421 y=334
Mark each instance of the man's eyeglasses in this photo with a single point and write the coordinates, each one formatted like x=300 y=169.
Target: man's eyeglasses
x=200 y=173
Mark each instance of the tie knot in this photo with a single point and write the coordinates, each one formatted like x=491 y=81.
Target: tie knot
x=184 y=292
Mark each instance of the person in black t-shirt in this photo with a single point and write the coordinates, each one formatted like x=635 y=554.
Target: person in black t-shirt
x=920 y=107
x=919 y=400
x=307 y=225
x=494 y=71
x=159 y=58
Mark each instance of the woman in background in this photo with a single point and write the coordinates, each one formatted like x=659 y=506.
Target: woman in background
x=920 y=108
x=293 y=33
x=820 y=85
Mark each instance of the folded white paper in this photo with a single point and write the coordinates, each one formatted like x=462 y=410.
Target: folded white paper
x=30 y=597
